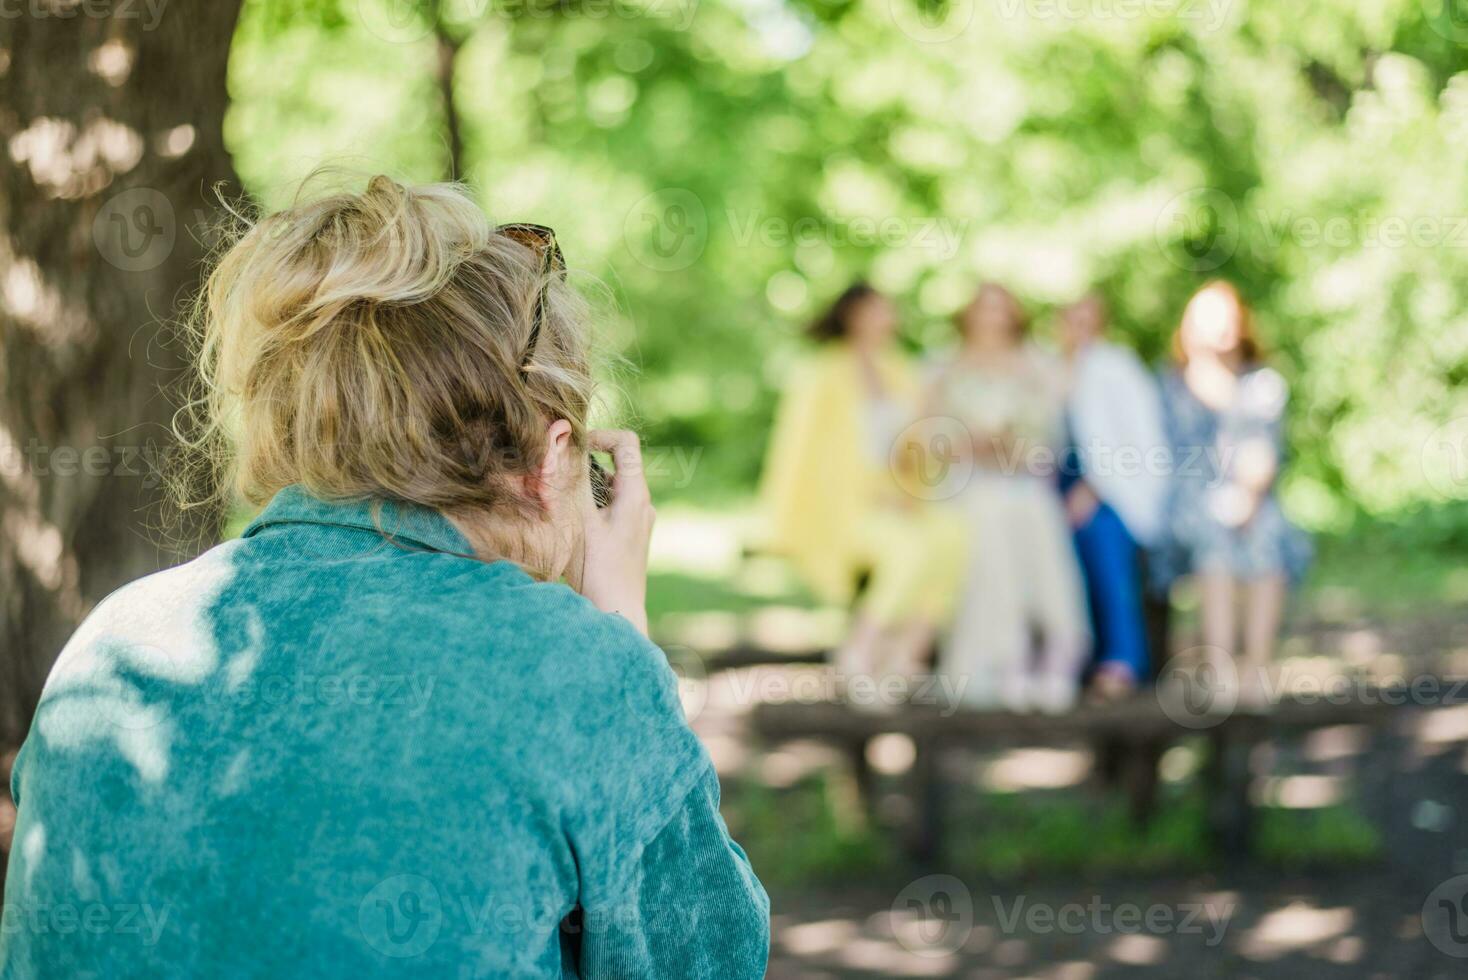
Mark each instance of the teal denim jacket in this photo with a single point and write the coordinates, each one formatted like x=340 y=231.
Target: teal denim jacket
x=337 y=747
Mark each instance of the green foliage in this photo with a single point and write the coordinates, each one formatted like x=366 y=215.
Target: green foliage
x=725 y=166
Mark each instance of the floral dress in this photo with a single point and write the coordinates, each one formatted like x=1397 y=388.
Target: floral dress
x=1208 y=526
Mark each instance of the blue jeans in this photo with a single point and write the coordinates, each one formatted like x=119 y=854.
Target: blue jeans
x=1109 y=557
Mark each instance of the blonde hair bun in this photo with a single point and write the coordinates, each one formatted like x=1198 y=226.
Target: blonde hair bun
x=374 y=345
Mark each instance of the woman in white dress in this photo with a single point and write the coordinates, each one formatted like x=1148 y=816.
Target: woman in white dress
x=1023 y=577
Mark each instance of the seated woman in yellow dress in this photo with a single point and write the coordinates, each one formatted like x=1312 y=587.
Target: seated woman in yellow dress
x=836 y=503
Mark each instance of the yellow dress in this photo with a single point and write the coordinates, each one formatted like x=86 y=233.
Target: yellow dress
x=835 y=507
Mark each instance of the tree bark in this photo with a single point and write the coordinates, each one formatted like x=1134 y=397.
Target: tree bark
x=448 y=55
x=112 y=115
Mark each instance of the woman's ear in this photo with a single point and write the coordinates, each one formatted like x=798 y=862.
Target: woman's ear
x=556 y=475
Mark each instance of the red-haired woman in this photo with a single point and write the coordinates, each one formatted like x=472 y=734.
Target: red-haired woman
x=1224 y=410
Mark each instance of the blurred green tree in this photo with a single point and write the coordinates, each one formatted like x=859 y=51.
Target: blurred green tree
x=725 y=166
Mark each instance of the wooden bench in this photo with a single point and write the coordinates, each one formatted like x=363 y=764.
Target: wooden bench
x=1141 y=723
x=743 y=655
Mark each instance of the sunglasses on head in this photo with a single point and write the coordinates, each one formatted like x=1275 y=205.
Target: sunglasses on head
x=542 y=241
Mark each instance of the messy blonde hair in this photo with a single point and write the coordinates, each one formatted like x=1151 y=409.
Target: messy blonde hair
x=375 y=345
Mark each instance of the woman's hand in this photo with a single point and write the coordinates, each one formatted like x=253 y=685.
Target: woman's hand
x=614 y=576
x=995 y=447
x=1255 y=465
x=1081 y=504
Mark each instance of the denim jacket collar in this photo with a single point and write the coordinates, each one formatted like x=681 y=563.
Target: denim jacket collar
x=403 y=522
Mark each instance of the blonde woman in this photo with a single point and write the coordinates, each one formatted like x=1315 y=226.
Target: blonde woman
x=376 y=735
x=837 y=506
x=1023 y=576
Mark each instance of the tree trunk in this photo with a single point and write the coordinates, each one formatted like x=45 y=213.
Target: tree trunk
x=112 y=117
x=448 y=56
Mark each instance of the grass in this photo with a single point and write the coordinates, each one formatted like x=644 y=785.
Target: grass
x=800 y=836
x=1302 y=838
x=672 y=593
x=1376 y=574
x=1021 y=834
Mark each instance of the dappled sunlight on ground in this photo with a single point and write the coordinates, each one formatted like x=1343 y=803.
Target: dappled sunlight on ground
x=1336 y=742
x=1301 y=792
x=1250 y=920
x=1137 y=950
x=1443 y=727
x=1299 y=925
x=1022 y=769
x=892 y=754
x=794 y=761
x=795 y=628
x=700 y=542
x=1265 y=928
x=1180 y=763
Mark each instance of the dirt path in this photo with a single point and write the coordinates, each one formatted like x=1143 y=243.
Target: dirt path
x=1253 y=924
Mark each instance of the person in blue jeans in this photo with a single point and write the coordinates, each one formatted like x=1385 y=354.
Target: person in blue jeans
x=410 y=724
x=1115 y=488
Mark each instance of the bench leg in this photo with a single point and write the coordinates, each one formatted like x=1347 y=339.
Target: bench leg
x=853 y=789
x=925 y=842
x=1379 y=780
x=1228 y=784
x=1130 y=763
x=1110 y=753
x=1141 y=779
x=861 y=772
